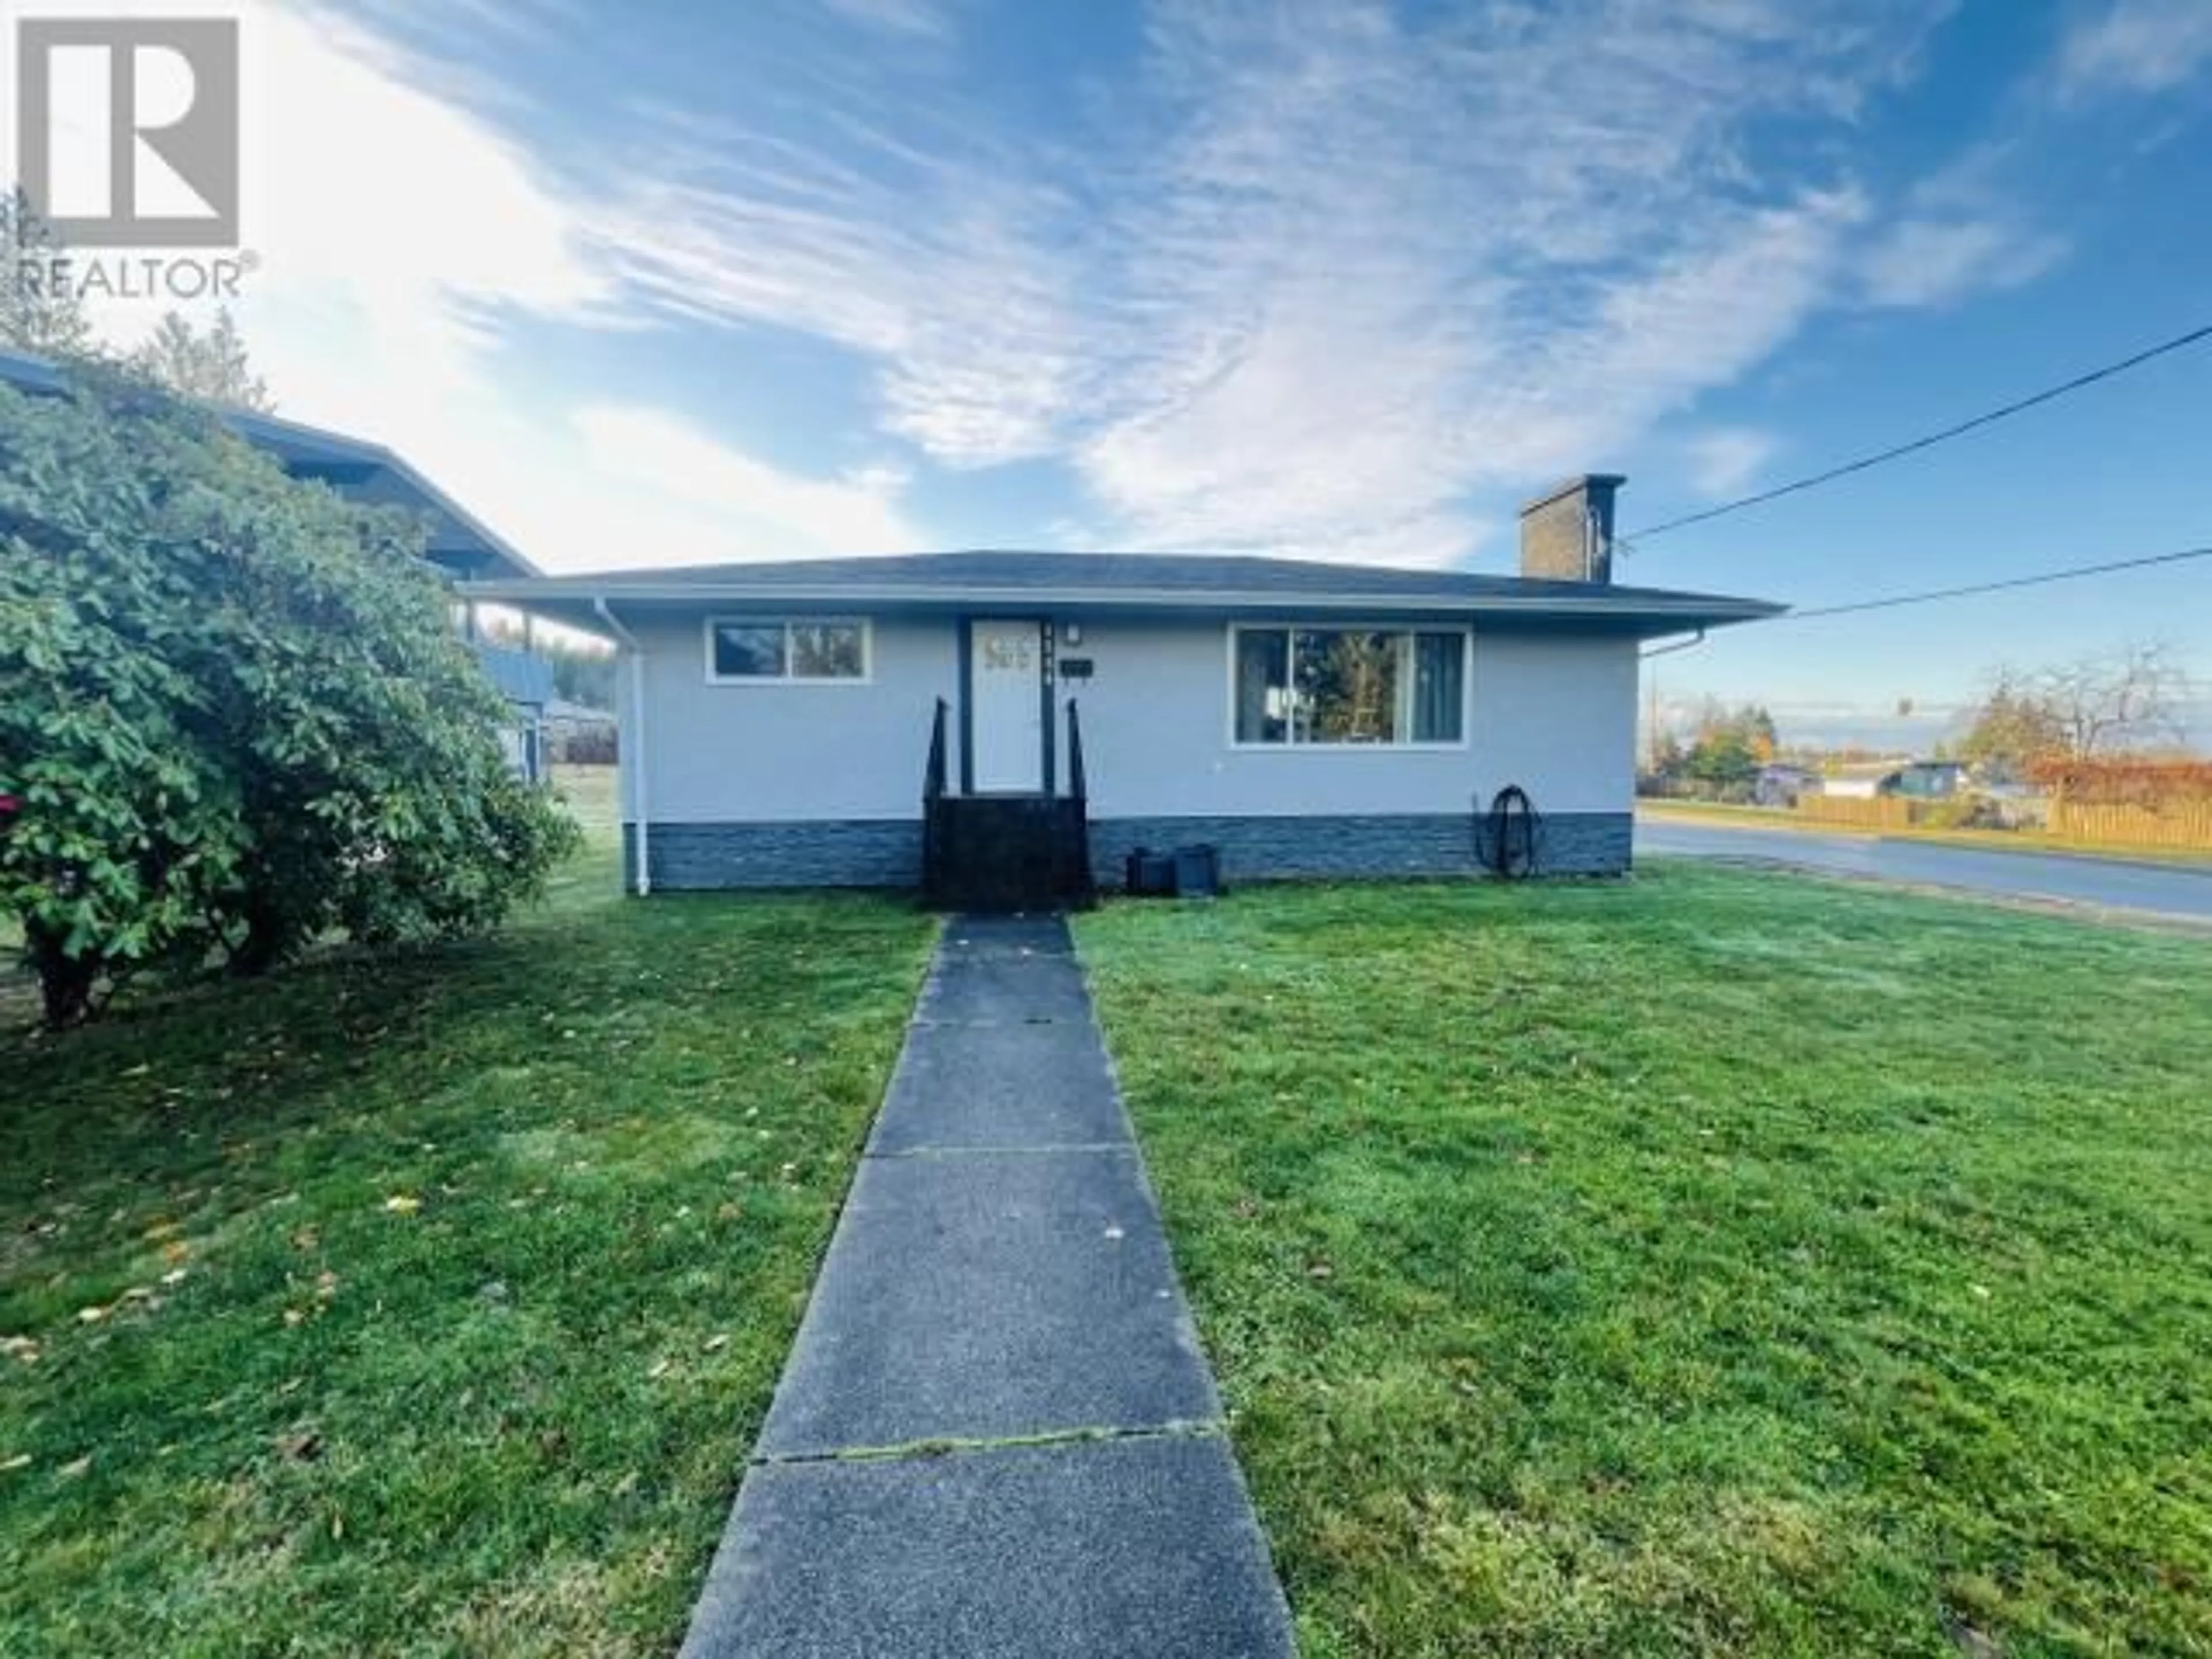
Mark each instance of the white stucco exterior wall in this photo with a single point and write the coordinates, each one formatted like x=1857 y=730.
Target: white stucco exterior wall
x=780 y=753
x=1553 y=714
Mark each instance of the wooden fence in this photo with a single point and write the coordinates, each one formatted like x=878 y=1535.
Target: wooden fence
x=1880 y=812
x=2184 y=824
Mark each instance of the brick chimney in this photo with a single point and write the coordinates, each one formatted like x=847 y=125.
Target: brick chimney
x=1566 y=535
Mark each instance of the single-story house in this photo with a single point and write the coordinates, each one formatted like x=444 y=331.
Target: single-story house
x=1919 y=779
x=1781 y=784
x=461 y=546
x=880 y=721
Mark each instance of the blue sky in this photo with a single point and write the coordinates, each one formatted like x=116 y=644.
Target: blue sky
x=692 y=281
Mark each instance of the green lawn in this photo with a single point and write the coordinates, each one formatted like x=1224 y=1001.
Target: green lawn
x=426 y=1304
x=1720 y=1263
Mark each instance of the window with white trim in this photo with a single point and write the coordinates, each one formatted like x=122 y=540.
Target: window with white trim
x=767 y=650
x=1336 y=686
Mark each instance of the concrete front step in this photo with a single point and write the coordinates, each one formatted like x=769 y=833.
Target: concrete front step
x=1006 y=853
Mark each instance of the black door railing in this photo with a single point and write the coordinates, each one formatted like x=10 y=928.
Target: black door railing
x=1078 y=786
x=932 y=791
x=1003 y=851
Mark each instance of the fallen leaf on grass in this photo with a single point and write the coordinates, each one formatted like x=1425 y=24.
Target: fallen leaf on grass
x=91 y=1315
x=717 y=1342
x=659 y=1369
x=80 y=1468
x=20 y=1347
x=174 y=1276
x=401 y=1203
x=20 y=1461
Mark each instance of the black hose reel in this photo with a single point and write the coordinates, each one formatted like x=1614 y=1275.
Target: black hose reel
x=1507 y=835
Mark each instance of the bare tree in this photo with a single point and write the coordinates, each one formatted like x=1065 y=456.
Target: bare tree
x=2130 y=698
x=2126 y=699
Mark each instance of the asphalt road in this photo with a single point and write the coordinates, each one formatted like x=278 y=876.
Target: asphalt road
x=2105 y=883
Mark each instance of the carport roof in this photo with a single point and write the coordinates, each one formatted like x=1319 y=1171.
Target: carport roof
x=356 y=468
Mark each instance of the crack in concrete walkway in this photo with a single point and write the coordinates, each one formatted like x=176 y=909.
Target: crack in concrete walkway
x=996 y=1435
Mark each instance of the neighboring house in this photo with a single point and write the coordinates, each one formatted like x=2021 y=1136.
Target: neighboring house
x=880 y=721
x=1781 y=785
x=460 y=545
x=527 y=682
x=1912 y=779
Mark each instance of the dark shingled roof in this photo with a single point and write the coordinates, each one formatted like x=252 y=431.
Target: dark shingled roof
x=1106 y=574
x=1134 y=583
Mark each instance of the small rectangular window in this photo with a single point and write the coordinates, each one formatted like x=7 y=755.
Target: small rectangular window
x=750 y=649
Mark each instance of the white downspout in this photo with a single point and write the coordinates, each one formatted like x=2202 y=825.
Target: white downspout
x=632 y=754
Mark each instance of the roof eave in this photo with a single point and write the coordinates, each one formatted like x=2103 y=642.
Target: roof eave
x=1675 y=612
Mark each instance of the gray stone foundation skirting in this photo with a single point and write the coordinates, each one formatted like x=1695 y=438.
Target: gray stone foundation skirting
x=1401 y=844
x=888 y=853
x=856 y=853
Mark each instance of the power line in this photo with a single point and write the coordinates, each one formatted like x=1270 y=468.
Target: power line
x=2073 y=573
x=1932 y=438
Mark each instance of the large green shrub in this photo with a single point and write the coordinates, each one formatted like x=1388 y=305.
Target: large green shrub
x=233 y=710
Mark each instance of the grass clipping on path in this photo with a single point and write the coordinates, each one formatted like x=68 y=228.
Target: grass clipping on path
x=1723 y=1263
x=429 y=1303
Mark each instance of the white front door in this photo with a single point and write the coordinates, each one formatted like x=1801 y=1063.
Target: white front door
x=1005 y=706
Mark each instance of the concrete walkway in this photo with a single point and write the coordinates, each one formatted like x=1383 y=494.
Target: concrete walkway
x=996 y=1434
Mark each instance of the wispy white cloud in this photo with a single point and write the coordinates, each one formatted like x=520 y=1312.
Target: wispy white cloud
x=1328 y=274
x=1961 y=231
x=390 y=271
x=2135 y=46
x=1726 y=461
x=1315 y=279
x=930 y=18
x=759 y=508
x=1933 y=262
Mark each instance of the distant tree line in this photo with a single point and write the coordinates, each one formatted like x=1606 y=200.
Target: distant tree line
x=1721 y=761
x=2106 y=727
